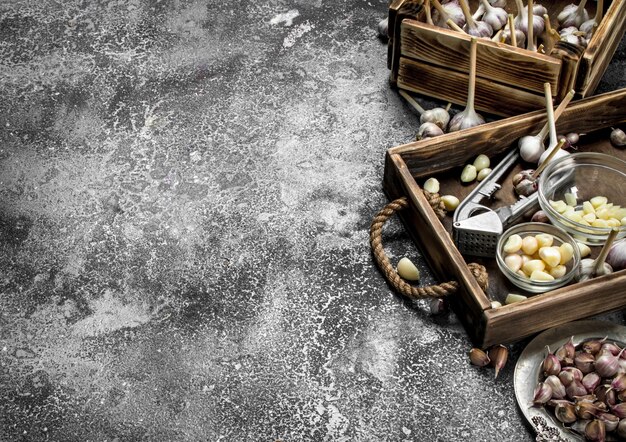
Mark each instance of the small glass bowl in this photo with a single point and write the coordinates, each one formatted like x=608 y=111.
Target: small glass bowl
x=559 y=236
x=579 y=177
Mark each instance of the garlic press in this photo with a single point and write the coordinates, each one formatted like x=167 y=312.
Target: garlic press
x=477 y=228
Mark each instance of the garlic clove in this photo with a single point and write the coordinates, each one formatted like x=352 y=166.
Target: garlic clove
x=407 y=270
x=591 y=381
x=481 y=161
x=483 y=173
x=616 y=257
x=542 y=393
x=383 y=28
x=558 y=389
x=565 y=412
x=575 y=389
x=595 y=431
x=450 y=202
x=498 y=355
x=431 y=185
x=469 y=173
x=479 y=357
x=530 y=148
x=551 y=365
x=584 y=362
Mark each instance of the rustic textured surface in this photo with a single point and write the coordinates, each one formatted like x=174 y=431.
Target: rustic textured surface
x=185 y=193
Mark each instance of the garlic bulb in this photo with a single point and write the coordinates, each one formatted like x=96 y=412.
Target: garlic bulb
x=590 y=268
x=539 y=10
x=573 y=15
x=437 y=115
x=494 y=17
x=450 y=10
x=589 y=26
x=513 y=36
x=383 y=28
x=498 y=3
x=572 y=35
x=468 y=117
x=428 y=130
x=532 y=146
x=475 y=28
x=616 y=257
x=521 y=20
x=618 y=138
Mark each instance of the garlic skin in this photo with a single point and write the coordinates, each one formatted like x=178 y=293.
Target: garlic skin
x=428 y=130
x=573 y=15
x=618 y=138
x=498 y=3
x=560 y=154
x=539 y=10
x=586 y=269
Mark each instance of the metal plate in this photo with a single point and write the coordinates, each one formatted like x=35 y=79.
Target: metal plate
x=527 y=369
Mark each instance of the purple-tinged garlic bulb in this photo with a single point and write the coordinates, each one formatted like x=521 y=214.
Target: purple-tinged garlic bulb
x=468 y=117
x=521 y=20
x=493 y=16
x=475 y=28
x=450 y=10
x=573 y=15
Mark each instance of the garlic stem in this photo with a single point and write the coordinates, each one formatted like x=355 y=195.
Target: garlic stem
x=551 y=155
x=512 y=31
x=479 y=12
x=599 y=262
x=429 y=17
x=411 y=101
x=472 y=77
x=557 y=113
x=551 y=122
x=581 y=7
x=530 y=44
x=599 y=11
x=448 y=106
x=497 y=35
x=442 y=11
x=471 y=23
x=454 y=26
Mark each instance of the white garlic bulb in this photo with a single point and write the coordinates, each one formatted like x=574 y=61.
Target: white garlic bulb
x=428 y=130
x=494 y=17
x=468 y=117
x=450 y=10
x=475 y=28
x=521 y=20
x=438 y=116
x=498 y=3
x=573 y=15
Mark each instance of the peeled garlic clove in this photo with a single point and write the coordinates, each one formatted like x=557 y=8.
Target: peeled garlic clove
x=512 y=298
x=567 y=252
x=431 y=185
x=513 y=244
x=550 y=255
x=481 y=162
x=534 y=265
x=450 y=202
x=540 y=275
x=483 y=173
x=407 y=270
x=530 y=245
x=618 y=138
x=558 y=271
x=544 y=239
x=583 y=249
x=479 y=357
x=469 y=173
x=513 y=262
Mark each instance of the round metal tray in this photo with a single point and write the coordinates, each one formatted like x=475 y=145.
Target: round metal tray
x=527 y=369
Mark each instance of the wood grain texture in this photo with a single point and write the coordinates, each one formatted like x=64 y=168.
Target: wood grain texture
x=412 y=163
x=447 y=85
x=497 y=62
x=601 y=48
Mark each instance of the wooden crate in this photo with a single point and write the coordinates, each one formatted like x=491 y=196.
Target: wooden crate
x=444 y=157
x=434 y=61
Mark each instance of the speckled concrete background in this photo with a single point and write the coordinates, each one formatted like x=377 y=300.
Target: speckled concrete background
x=186 y=188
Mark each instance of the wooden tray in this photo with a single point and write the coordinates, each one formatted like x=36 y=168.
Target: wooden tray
x=434 y=61
x=444 y=157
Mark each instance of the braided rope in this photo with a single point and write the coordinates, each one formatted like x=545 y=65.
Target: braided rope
x=390 y=273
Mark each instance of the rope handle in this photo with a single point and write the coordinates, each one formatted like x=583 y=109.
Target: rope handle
x=388 y=270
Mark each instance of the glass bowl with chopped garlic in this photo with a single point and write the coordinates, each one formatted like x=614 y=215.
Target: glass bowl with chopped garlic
x=585 y=195
x=538 y=257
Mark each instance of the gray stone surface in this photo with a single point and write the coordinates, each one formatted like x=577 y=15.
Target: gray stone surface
x=185 y=194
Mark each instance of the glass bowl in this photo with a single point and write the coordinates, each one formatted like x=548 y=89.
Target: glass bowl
x=569 y=182
x=532 y=229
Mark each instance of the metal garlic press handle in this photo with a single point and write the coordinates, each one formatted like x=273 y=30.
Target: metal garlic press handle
x=485 y=189
x=510 y=214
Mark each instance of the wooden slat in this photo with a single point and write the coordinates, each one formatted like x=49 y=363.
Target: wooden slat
x=398 y=11
x=497 y=62
x=451 y=86
x=601 y=48
x=513 y=322
x=441 y=153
